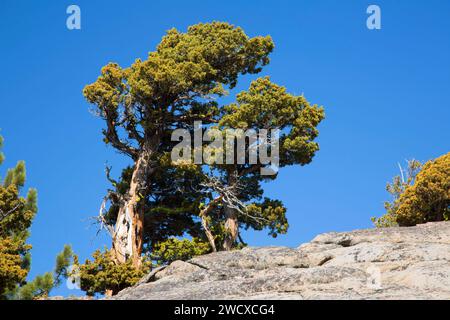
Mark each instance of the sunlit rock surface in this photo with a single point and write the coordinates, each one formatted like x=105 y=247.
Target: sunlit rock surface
x=392 y=263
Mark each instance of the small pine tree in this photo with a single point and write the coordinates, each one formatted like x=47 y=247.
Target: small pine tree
x=41 y=285
x=103 y=276
x=16 y=215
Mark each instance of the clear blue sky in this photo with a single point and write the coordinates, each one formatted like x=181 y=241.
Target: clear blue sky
x=386 y=95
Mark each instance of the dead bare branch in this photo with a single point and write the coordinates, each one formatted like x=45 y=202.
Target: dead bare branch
x=4 y=215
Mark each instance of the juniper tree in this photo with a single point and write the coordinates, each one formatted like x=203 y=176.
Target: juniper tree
x=141 y=105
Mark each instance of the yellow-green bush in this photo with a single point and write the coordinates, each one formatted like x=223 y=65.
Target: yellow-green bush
x=175 y=249
x=421 y=194
x=428 y=199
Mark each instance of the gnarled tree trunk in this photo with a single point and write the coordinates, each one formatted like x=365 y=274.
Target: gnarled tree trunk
x=128 y=235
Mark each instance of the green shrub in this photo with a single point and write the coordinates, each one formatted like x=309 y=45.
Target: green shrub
x=103 y=276
x=174 y=249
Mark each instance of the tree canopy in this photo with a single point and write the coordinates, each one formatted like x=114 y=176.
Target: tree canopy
x=156 y=201
x=176 y=85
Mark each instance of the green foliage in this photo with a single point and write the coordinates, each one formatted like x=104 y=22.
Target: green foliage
x=16 y=216
x=396 y=188
x=41 y=285
x=175 y=249
x=180 y=83
x=17 y=213
x=12 y=269
x=428 y=199
x=2 y=156
x=63 y=261
x=268 y=105
x=38 y=288
x=102 y=275
x=16 y=176
x=423 y=196
x=270 y=214
x=171 y=207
